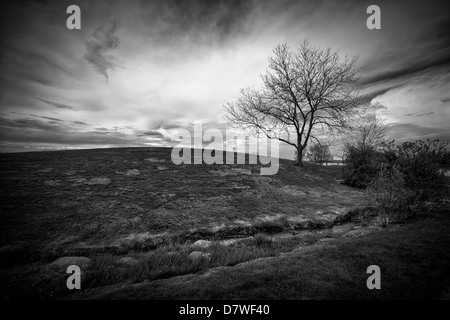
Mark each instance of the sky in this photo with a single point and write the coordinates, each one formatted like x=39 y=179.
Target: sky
x=138 y=72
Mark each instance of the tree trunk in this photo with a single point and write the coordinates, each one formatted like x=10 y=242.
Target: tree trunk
x=299 y=158
x=299 y=150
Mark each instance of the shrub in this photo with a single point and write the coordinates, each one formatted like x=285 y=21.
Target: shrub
x=398 y=175
x=362 y=165
x=389 y=191
x=421 y=163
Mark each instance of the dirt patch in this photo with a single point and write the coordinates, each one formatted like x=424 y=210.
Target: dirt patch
x=293 y=191
x=99 y=181
x=155 y=160
x=53 y=183
x=129 y=173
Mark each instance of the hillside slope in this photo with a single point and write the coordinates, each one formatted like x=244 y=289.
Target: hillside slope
x=87 y=197
x=131 y=214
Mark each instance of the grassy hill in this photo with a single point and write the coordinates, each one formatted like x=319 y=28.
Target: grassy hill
x=133 y=203
x=97 y=196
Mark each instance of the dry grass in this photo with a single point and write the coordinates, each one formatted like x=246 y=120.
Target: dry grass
x=414 y=260
x=99 y=196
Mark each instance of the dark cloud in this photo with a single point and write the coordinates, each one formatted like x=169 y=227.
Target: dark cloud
x=69 y=139
x=26 y=70
x=413 y=68
x=199 y=20
x=151 y=133
x=31 y=61
x=21 y=132
x=410 y=131
x=371 y=93
x=48 y=118
x=81 y=123
x=425 y=114
x=418 y=41
x=19 y=125
x=438 y=33
x=57 y=105
x=104 y=40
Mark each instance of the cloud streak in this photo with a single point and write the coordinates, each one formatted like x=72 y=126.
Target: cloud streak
x=48 y=131
x=57 y=105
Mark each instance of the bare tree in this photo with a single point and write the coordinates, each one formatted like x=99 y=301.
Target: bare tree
x=305 y=93
x=319 y=154
x=367 y=131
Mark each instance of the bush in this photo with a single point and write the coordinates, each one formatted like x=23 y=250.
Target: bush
x=389 y=191
x=398 y=175
x=421 y=163
x=362 y=165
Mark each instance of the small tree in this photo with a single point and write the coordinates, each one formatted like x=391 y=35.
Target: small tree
x=366 y=132
x=319 y=154
x=362 y=154
x=305 y=93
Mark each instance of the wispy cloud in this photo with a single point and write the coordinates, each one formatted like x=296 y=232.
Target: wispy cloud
x=48 y=118
x=81 y=123
x=425 y=114
x=104 y=40
x=408 y=71
x=409 y=131
x=58 y=132
x=57 y=104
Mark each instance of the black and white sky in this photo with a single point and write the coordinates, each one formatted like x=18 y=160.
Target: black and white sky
x=138 y=71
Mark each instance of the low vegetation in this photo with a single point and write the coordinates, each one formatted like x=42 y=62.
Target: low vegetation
x=398 y=177
x=161 y=263
x=413 y=257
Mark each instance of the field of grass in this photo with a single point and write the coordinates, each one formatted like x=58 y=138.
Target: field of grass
x=135 y=216
x=69 y=199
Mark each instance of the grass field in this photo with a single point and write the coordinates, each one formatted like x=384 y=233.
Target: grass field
x=135 y=216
